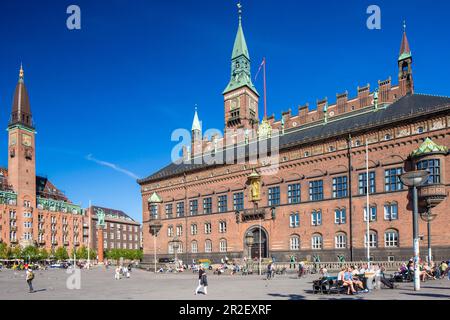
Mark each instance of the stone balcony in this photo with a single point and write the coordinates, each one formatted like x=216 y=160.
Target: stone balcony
x=431 y=195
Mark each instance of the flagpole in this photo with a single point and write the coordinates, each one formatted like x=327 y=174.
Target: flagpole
x=367 y=204
x=89 y=235
x=265 y=95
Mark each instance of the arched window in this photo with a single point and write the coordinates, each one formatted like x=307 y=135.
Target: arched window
x=294 y=243
x=222 y=226
x=391 y=238
x=373 y=239
x=194 y=229
x=170 y=231
x=316 y=241
x=340 y=240
x=391 y=211
x=208 y=246
x=223 y=245
x=194 y=246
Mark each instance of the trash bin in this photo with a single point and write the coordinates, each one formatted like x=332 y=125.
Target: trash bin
x=370 y=277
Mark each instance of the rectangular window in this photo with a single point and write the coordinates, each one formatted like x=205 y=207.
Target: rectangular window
x=362 y=182
x=340 y=187
x=179 y=231
x=392 y=179
x=154 y=211
x=391 y=211
x=207 y=205
x=316 y=242
x=391 y=239
x=222 y=227
x=433 y=166
x=238 y=201
x=170 y=231
x=194 y=247
x=316 y=190
x=373 y=241
x=294 y=193
x=193 y=207
x=294 y=221
x=169 y=212
x=193 y=229
x=340 y=216
x=222 y=204
x=316 y=218
x=274 y=196
x=180 y=209
x=207 y=228
x=373 y=213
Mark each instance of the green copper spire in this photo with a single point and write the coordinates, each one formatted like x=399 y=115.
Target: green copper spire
x=240 y=61
x=428 y=146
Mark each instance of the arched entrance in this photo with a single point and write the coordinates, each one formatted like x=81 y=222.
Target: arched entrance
x=259 y=242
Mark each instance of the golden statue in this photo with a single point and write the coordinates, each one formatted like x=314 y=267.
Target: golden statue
x=255 y=183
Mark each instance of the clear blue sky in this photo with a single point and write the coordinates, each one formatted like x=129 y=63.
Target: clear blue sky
x=118 y=87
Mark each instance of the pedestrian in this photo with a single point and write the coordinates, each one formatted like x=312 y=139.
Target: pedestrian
x=117 y=273
x=29 y=278
x=202 y=281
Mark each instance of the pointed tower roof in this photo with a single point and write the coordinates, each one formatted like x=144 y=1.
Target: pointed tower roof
x=405 y=50
x=21 y=111
x=240 y=45
x=429 y=146
x=196 y=122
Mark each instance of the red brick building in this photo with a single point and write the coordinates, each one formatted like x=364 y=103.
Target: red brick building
x=32 y=210
x=315 y=204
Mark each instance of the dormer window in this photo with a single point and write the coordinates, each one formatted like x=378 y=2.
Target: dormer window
x=331 y=148
x=357 y=143
x=387 y=137
x=306 y=154
x=420 y=130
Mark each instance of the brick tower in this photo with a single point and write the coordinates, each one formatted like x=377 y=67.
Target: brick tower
x=405 y=76
x=21 y=160
x=240 y=96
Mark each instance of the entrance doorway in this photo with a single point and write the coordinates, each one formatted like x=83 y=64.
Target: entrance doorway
x=260 y=243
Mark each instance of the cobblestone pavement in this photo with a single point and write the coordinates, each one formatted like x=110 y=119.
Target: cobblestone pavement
x=99 y=284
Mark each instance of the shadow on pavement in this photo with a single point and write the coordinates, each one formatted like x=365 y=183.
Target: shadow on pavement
x=431 y=295
x=289 y=296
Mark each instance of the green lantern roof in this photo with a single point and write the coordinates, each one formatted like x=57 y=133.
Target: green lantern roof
x=428 y=146
x=155 y=198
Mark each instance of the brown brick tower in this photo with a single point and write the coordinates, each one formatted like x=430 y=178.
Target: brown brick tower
x=21 y=158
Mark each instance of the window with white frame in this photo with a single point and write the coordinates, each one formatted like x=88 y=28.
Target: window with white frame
x=170 y=231
x=179 y=231
x=391 y=238
x=194 y=247
x=316 y=242
x=391 y=211
x=208 y=228
x=373 y=239
x=208 y=246
x=222 y=226
x=194 y=229
x=316 y=218
x=340 y=216
x=223 y=245
x=294 y=243
x=294 y=220
x=340 y=240
x=373 y=213
x=171 y=248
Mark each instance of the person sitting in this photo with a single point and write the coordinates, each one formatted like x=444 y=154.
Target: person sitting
x=356 y=280
x=426 y=272
x=346 y=278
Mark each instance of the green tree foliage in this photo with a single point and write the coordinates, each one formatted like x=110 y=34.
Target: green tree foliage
x=43 y=254
x=30 y=253
x=127 y=254
x=16 y=252
x=4 y=251
x=61 y=254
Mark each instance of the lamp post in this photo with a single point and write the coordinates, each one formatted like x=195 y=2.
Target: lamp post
x=428 y=217
x=249 y=242
x=176 y=246
x=415 y=179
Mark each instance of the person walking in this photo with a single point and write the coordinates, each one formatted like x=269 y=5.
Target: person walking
x=29 y=278
x=117 y=273
x=202 y=281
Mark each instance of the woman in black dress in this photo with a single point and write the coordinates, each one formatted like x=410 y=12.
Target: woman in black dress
x=202 y=281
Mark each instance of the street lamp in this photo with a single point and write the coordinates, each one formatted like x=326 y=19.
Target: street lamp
x=415 y=179
x=176 y=246
x=428 y=217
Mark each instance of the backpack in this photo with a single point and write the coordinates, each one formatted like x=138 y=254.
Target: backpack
x=31 y=275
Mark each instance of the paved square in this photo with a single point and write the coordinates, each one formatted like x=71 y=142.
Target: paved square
x=99 y=284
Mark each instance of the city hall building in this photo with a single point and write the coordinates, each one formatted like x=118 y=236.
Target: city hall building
x=32 y=210
x=315 y=205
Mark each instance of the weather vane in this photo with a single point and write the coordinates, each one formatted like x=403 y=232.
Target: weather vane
x=239 y=5
x=404 y=25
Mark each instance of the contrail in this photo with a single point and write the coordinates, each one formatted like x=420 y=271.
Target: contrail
x=112 y=166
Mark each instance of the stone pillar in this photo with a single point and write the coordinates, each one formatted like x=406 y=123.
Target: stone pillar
x=100 y=245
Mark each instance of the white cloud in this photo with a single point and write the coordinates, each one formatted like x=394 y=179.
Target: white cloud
x=112 y=166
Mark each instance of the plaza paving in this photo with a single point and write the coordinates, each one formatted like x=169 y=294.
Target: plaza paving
x=99 y=284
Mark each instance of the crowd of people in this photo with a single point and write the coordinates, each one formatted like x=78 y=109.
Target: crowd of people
x=428 y=271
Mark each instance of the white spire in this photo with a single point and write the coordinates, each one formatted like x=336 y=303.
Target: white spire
x=196 y=123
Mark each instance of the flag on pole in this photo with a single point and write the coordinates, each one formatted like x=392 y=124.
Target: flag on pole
x=260 y=67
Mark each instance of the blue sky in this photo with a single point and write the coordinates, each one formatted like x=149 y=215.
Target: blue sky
x=114 y=90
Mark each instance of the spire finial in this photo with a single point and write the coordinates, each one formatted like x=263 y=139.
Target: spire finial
x=404 y=26
x=21 y=72
x=239 y=5
x=195 y=107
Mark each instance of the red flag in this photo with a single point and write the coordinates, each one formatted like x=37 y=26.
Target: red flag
x=262 y=64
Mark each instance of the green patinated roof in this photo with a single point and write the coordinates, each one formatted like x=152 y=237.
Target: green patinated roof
x=240 y=45
x=428 y=146
x=404 y=56
x=155 y=198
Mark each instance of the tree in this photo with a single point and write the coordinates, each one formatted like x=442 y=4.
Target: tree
x=30 y=253
x=3 y=250
x=61 y=254
x=43 y=254
x=82 y=252
x=16 y=252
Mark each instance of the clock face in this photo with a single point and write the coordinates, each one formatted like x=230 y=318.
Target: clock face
x=26 y=140
x=13 y=139
x=234 y=104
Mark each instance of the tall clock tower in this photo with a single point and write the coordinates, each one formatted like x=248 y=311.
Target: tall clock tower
x=21 y=154
x=240 y=96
